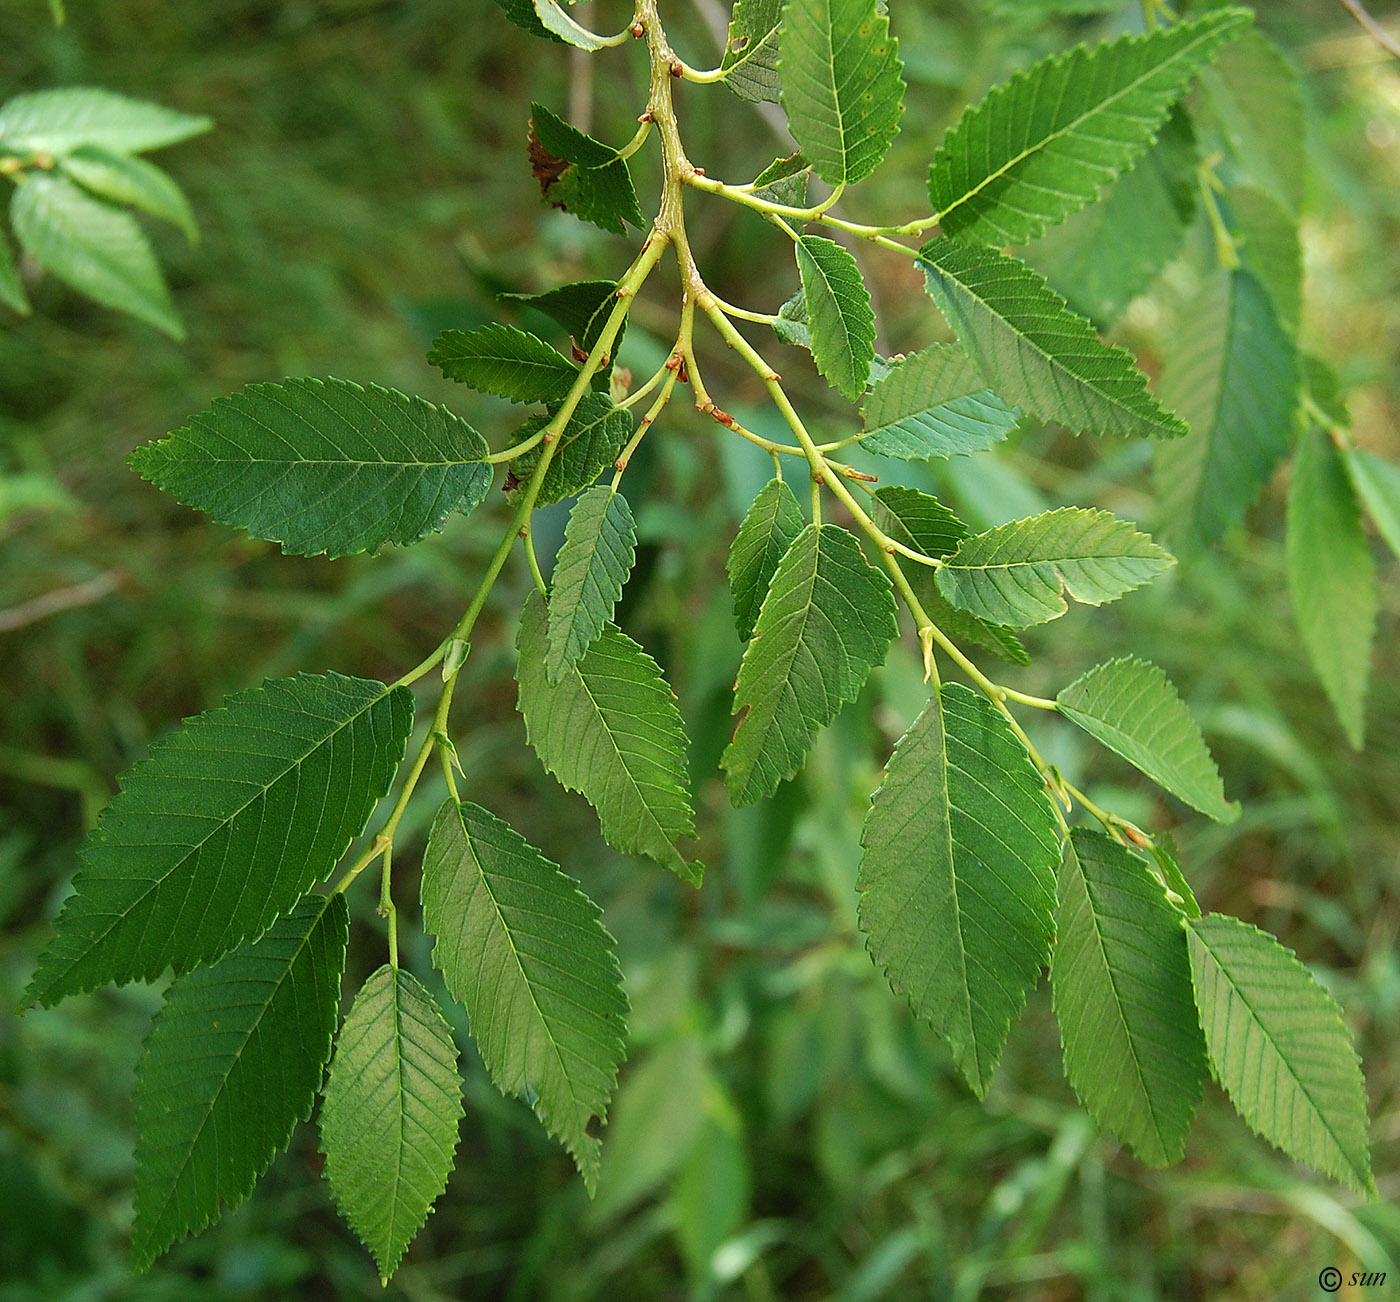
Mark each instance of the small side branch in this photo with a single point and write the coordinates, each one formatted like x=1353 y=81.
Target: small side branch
x=1378 y=33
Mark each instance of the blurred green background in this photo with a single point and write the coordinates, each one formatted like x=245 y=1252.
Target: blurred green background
x=783 y=1129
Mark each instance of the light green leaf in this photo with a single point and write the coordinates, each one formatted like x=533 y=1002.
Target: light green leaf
x=841 y=81
x=1164 y=851
x=1377 y=484
x=1103 y=256
x=925 y=524
x=60 y=121
x=1332 y=578
x=840 y=317
x=593 y=563
x=827 y=620
x=12 y=293
x=581 y=175
x=1122 y=990
x=1132 y=708
x=505 y=361
x=957 y=884
x=390 y=1113
x=1251 y=104
x=611 y=730
x=323 y=465
x=207 y=1125
x=935 y=403
x=1266 y=235
x=591 y=440
x=227 y=824
x=123 y=178
x=1047 y=143
x=522 y=948
x=1233 y=373
x=582 y=308
x=97 y=249
x=1279 y=1047
x=1020 y=573
x=767 y=531
x=750 y=63
x=1033 y=350
x=555 y=20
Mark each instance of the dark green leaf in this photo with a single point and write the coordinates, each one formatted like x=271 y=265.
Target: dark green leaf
x=841 y=84
x=1232 y=372
x=227 y=824
x=582 y=308
x=522 y=14
x=1033 y=350
x=97 y=249
x=1132 y=708
x=323 y=465
x=784 y=181
x=840 y=317
x=767 y=531
x=390 y=1113
x=60 y=121
x=957 y=885
x=232 y=1063
x=1332 y=578
x=591 y=440
x=523 y=949
x=505 y=361
x=935 y=403
x=581 y=175
x=750 y=62
x=1047 y=143
x=593 y=563
x=611 y=730
x=1122 y=988
x=1279 y=1047
x=1020 y=573
x=827 y=620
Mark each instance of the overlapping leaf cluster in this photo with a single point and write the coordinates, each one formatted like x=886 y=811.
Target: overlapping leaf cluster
x=971 y=880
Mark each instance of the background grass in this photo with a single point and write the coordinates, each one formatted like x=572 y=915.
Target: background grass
x=784 y=1129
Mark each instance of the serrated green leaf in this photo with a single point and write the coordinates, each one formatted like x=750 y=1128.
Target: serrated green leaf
x=1251 y=104
x=610 y=729
x=1020 y=573
x=792 y=326
x=97 y=249
x=523 y=949
x=1033 y=350
x=1122 y=991
x=840 y=317
x=957 y=884
x=1048 y=142
x=582 y=308
x=827 y=620
x=591 y=440
x=12 y=293
x=207 y=1123
x=1232 y=372
x=323 y=465
x=522 y=14
x=1279 y=1047
x=784 y=180
x=1332 y=578
x=842 y=86
x=1377 y=484
x=768 y=529
x=1133 y=709
x=925 y=524
x=227 y=824
x=390 y=1113
x=60 y=121
x=123 y=178
x=1103 y=256
x=505 y=361
x=600 y=543
x=934 y=403
x=556 y=20
x=581 y=175
x=750 y=63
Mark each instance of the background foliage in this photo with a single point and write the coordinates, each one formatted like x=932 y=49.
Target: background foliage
x=782 y=1129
